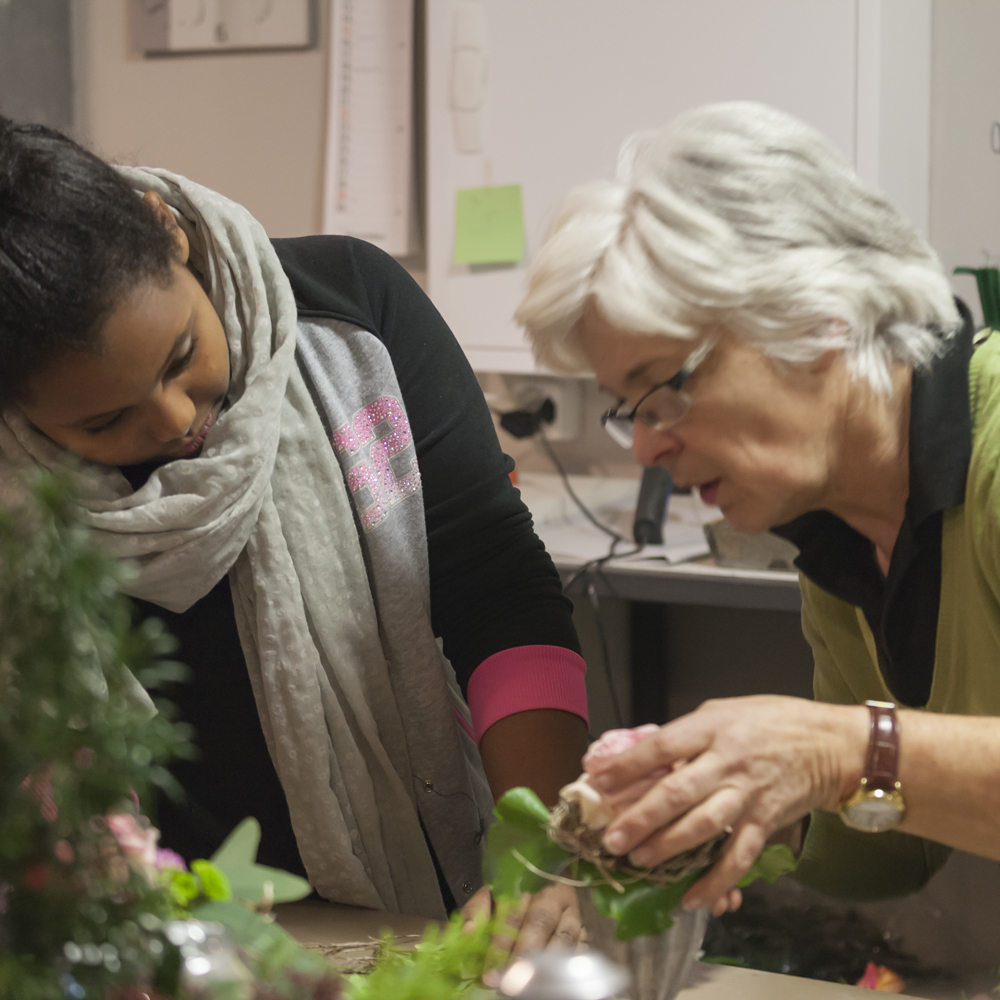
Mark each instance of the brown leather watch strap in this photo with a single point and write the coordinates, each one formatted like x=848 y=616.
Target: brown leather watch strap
x=882 y=765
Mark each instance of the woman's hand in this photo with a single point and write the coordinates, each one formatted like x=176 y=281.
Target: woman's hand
x=549 y=917
x=750 y=764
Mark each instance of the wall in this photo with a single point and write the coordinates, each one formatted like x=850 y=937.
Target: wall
x=893 y=102
x=35 y=77
x=965 y=171
x=250 y=125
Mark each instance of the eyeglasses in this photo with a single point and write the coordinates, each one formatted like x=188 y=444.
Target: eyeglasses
x=661 y=407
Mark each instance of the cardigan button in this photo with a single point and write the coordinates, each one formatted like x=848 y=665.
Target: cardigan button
x=467 y=886
x=428 y=786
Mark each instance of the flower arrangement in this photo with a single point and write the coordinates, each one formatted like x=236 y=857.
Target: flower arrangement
x=90 y=905
x=529 y=847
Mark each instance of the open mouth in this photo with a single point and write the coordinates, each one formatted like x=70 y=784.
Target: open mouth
x=709 y=492
x=196 y=443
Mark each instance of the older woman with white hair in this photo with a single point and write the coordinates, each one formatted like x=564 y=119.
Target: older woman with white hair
x=781 y=340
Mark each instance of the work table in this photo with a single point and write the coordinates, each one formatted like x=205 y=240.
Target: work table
x=321 y=923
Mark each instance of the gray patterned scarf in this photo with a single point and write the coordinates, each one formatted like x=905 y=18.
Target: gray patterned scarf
x=266 y=502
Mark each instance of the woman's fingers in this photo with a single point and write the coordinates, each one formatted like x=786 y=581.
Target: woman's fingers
x=683 y=739
x=728 y=903
x=741 y=851
x=669 y=798
x=506 y=932
x=721 y=810
x=552 y=917
x=623 y=799
x=549 y=917
x=479 y=906
x=569 y=933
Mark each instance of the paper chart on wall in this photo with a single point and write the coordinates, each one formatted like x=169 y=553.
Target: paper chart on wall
x=368 y=175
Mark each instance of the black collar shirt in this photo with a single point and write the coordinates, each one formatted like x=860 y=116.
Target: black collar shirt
x=901 y=608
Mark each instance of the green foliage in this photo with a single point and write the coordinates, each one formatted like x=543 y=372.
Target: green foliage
x=279 y=965
x=188 y=890
x=78 y=740
x=988 y=286
x=774 y=861
x=448 y=964
x=82 y=903
x=236 y=860
x=639 y=909
x=520 y=827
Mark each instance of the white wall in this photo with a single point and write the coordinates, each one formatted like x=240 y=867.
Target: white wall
x=893 y=102
x=249 y=125
x=965 y=172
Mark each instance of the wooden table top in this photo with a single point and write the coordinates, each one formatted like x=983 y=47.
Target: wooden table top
x=315 y=922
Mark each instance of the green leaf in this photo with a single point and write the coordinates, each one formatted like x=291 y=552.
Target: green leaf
x=237 y=860
x=521 y=824
x=183 y=886
x=774 y=861
x=260 y=937
x=214 y=883
x=447 y=964
x=642 y=910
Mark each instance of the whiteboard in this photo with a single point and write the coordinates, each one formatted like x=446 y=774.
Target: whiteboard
x=568 y=80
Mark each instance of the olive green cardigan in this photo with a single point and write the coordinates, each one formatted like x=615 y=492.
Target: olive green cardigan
x=966 y=681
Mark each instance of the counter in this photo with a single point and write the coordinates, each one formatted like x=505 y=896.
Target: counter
x=325 y=923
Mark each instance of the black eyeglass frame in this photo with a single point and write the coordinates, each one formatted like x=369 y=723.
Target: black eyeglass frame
x=614 y=417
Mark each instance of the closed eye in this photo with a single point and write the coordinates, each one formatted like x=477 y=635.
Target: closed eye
x=182 y=363
x=107 y=425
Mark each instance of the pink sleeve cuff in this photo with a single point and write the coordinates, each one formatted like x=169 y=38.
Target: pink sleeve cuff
x=525 y=678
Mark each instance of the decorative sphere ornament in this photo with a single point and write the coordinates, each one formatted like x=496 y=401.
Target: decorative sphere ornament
x=560 y=974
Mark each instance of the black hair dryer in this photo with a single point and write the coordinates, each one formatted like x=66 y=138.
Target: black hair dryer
x=651 y=507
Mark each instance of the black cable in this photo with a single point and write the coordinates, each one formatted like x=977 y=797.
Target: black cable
x=550 y=451
x=605 y=654
x=594 y=566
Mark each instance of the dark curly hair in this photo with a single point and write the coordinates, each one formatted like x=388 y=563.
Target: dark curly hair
x=74 y=239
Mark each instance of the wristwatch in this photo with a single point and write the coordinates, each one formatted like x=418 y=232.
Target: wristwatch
x=878 y=803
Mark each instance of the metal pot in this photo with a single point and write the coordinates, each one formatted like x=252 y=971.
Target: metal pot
x=659 y=965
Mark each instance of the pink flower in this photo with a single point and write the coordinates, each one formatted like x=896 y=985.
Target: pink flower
x=616 y=741
x=881 y=978
x=136 y=840
x=40 y=787
x=63 y=850
x=166 y=858
x=36 y=877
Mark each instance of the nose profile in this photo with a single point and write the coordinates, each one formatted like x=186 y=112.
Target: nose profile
x=172 y=414
x=651 y=446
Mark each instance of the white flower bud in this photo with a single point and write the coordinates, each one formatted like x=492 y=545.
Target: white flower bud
x=595 y=811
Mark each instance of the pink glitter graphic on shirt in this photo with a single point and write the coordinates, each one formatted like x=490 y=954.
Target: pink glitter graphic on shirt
x=377 y=474
x=357 y=479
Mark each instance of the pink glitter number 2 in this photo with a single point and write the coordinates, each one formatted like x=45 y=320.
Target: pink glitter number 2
x=376 y=473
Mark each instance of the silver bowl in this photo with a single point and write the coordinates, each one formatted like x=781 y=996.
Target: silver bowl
x=659 y=965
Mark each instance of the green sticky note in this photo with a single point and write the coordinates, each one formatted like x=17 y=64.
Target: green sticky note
x=489 y=225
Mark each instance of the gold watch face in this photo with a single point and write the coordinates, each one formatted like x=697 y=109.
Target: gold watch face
x=873 y=811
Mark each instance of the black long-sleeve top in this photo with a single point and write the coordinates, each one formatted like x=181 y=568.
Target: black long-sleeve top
x=493 y=586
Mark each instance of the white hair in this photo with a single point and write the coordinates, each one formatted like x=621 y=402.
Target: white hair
x=739 y=217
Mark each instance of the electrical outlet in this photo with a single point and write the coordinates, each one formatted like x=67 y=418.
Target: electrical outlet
x=530 y=391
